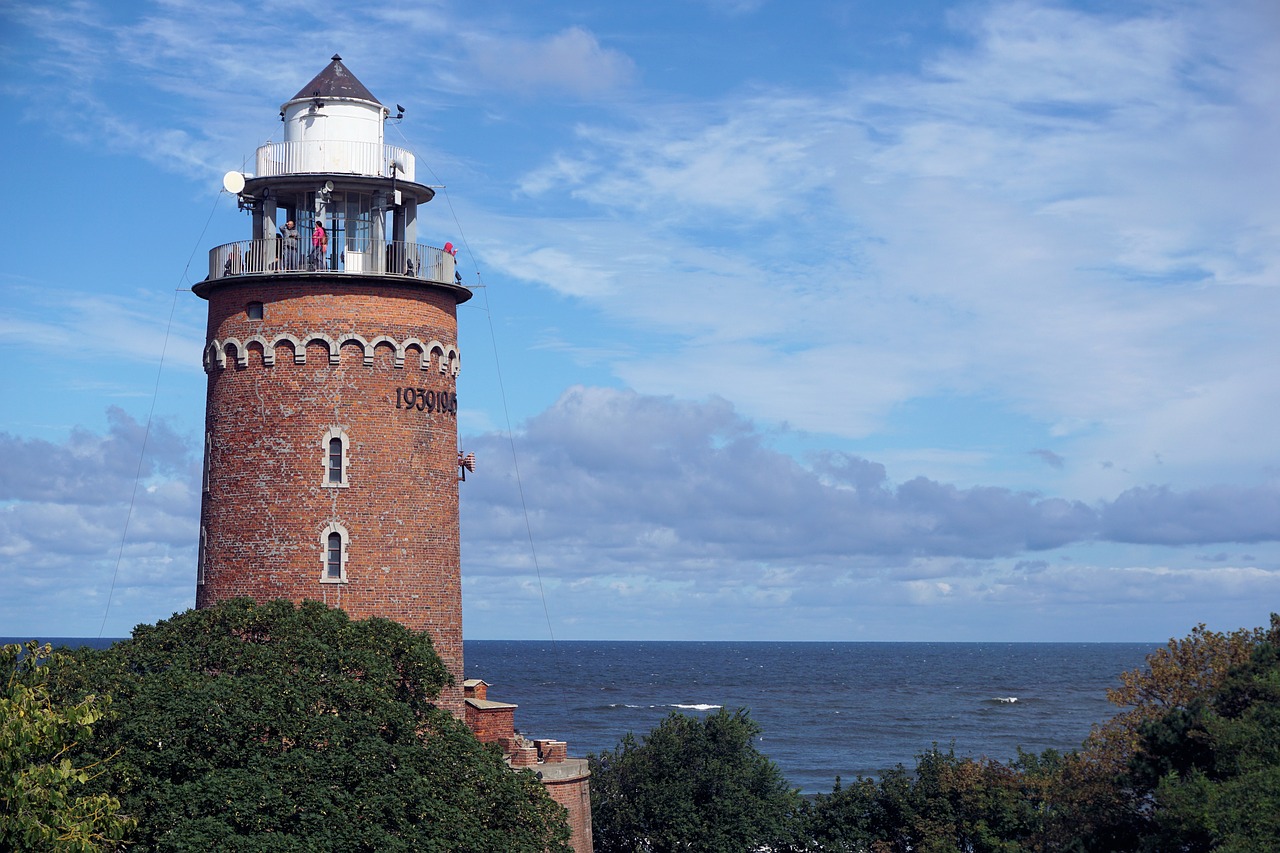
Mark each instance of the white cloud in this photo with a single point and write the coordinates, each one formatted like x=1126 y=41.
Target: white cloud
x=64 y=510
x=1075 y=217
x=571 y=61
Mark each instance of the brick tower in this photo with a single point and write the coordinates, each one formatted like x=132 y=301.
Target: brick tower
x=331 y=442
x=331 y=461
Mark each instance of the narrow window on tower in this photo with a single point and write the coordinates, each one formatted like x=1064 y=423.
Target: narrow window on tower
x=200 y=556
x=335 y=458
x=254 y=310
x=333 y=546
x=208 y=446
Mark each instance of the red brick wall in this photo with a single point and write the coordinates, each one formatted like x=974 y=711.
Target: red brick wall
x=575 y=796
x=491 y=725
x=266 y=506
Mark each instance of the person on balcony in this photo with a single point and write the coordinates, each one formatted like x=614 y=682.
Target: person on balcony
x=452 y=251
x=233 y=265
x=290 y=237
x=319 y=246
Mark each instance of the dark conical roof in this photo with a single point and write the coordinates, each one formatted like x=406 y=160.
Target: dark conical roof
x=335 y=81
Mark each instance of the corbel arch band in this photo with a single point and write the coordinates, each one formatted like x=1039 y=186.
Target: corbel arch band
x=445 y=357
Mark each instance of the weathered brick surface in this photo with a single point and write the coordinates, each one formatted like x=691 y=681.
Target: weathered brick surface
x=524 y=756
x=266 y=506
x=491 y=725
x=575 y=795
x=552 y=751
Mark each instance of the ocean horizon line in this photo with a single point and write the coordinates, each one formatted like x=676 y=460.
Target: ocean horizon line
x=80 y=640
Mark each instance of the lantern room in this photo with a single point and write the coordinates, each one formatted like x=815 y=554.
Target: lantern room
x=332 y=196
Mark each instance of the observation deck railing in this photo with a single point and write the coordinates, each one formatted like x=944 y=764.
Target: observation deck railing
x=314 y=156
x=351 y=255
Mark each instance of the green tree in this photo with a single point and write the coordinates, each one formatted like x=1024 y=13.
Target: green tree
x=697 y=785
x=271 y=727
x=1184 y=671
x=44 y=804
x=1211 y=770
x=946 y=805
x=1090 y=803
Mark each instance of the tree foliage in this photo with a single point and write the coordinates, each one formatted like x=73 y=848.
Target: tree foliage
x=1184 y=671
x=947 y=805
x=1211 y=769
x=44 y=804
x=273 y=727
x=1191 y=764
x=693 y=785
x=1097 y=807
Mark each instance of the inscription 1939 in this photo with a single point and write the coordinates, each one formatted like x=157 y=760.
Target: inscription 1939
x=426 y=400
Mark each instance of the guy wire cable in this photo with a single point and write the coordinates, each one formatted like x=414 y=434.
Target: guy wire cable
x=502 y=391
x=155 y=395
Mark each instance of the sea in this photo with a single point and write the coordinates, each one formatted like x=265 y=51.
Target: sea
x=824 y=709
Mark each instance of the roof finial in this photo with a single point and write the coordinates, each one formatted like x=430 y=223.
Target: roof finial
x=337 y=58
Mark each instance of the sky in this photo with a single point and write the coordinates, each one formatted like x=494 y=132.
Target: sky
x=844 y=321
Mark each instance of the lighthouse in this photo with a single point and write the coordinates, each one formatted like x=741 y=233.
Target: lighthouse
x=331 y=462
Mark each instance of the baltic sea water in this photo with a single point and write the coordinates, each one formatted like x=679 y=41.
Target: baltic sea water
x=825 y=709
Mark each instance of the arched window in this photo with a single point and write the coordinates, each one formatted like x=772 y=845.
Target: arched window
x=333 y=558
x=333 y=549
x=335 y=458
x=335 y=461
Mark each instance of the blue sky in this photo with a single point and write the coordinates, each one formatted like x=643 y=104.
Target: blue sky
x=816 y=320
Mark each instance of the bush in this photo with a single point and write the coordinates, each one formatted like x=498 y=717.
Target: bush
x=273 y=727
x=695 y=785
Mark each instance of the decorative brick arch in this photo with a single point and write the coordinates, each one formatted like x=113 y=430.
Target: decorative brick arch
x=299 y=349
x=447 y=358
x=335 y=354
x=397 y=358
x=241 y=354
x=268 y=351
x=419 y=346
x=364 y=345
x=431 y=349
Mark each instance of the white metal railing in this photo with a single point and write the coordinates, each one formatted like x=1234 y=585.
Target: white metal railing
x=333 y=156
x=353 y=255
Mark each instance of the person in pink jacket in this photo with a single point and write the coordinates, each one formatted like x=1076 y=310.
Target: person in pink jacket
x=319 y=245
